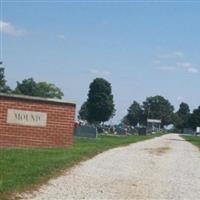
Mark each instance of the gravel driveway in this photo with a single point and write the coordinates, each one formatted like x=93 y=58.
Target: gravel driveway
x=167 y=167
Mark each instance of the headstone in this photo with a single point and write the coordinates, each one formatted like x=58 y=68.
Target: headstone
x=188 y=131
x=85 y=131
x=142 y=131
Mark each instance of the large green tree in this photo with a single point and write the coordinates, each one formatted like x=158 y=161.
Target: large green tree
x=40 y=89
x=194 y=120
x=181 y=119
x=26 y=87
x=134 y=114
x=83 y=112
x=3 y=87
x=100 y=103
x=157 y=107
x=48 y=90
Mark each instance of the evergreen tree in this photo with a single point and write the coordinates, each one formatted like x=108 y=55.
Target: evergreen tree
x=100 y=103
x=181 y=119
x=134 y=114
x=83 y=112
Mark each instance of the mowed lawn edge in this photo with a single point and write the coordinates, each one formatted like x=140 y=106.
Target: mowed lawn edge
x=195 y=140
x=25 y=169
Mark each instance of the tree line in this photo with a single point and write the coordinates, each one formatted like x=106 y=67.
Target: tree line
x=30 y=87
x=157 y=107
x=99 y=106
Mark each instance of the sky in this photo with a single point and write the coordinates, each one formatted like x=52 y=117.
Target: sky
x=143 y=48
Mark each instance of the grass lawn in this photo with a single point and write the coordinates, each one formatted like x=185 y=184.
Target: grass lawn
x=193 y=139
x=22 y=169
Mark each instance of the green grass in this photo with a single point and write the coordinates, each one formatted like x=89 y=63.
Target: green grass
x=22 y=169
x=193 y=139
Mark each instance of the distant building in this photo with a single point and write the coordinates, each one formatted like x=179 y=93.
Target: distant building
x=153 y=125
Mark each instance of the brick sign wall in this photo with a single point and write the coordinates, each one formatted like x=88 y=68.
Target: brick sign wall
x=35 y=122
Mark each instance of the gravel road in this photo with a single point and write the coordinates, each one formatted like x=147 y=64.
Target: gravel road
x=167 y=167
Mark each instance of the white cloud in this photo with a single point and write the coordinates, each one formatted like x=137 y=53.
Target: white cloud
x=94 y=71
x=178 y=54
x=100 y=72
x=193 y=70
x=190 y=67
x=106 y=73
x=157 y=62
x=172 y=61
x=174 y=54
x=180 y=66
x=180 y=99
x=166 y=68
x=61 y=36
x=184 y=64
x=10 y=29
x=105 y=22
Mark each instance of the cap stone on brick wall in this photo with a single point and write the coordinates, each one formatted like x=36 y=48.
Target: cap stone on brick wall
x=32 y=98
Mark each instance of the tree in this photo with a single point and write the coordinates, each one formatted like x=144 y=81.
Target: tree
x=83 y=112
x=48 y=90
x=40 y=89
x=26 y=87
x=3 y=87
x=194 y=120
x=2 y=78
x=182 y=116
x=158 y=107
x=134 y=114
x=183 y=109
x=100 y=104
x=177 y=122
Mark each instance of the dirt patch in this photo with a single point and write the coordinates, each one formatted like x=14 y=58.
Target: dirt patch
x=158 y=151
x=134 y=185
